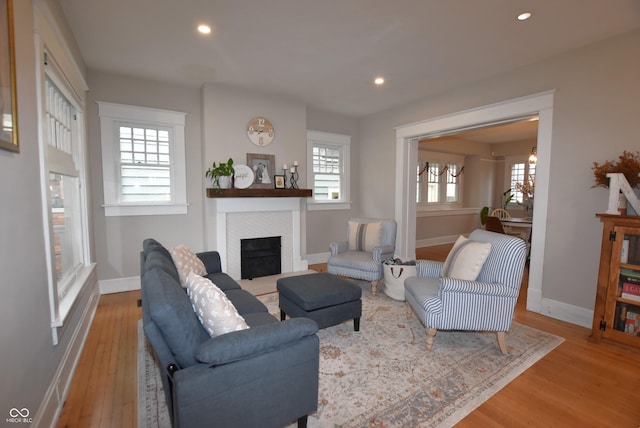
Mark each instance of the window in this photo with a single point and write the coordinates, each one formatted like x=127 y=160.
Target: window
x=64 y=187
x=520 y=172
x=439 y=180
x=143 y=160
x=328 y=160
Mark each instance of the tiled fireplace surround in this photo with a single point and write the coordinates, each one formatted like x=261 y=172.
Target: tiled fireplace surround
x=234 y=219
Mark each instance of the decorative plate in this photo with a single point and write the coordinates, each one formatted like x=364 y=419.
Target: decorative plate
x=243 y=177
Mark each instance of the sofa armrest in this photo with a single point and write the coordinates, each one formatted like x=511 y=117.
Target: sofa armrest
x=428 y=268
x=338 y=247
x=384 y=252
x=453 y=285
x=256 y=340
x=211 y=260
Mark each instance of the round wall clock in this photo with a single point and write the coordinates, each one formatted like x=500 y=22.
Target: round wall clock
x=260 y=131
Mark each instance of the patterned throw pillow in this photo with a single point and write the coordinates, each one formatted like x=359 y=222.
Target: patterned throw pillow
x=465 y=260
x=214 y=310
x=186 y=262
x=364 y=236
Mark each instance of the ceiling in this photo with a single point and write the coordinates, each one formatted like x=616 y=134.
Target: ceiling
x=326 y=53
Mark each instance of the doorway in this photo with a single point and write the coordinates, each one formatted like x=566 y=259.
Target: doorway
x=407 y=138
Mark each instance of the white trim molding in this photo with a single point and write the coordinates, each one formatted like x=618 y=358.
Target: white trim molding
x=407 y=137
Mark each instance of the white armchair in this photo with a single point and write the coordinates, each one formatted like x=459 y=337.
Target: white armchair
x=369 y=242
x=485 y=304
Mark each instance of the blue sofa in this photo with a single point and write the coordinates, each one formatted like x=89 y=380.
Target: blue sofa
x=264 y=376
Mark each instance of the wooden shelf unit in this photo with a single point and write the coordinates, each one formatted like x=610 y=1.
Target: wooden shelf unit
x=258 y=193
x=611 y=309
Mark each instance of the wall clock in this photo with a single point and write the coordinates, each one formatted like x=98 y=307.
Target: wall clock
x=260 y=131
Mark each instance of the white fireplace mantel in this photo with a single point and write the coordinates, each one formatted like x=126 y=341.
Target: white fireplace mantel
x=234 y=219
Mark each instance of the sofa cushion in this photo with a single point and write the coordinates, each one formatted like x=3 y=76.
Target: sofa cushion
x=245 y=302
x=364 y=236
x=161 y=260
x=214 y=310
x=258 y=340
x=223 y=281
x=170 y=309
x=186 y=262
x=465 y=260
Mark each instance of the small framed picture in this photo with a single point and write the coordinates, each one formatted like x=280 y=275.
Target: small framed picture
x=278 y=181
x=263 y=166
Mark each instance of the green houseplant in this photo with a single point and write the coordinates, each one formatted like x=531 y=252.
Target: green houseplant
x=221 y=174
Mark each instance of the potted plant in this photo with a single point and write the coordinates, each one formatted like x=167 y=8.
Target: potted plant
x=221 y=174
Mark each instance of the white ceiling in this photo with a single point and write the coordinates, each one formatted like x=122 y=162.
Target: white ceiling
x=326 y=53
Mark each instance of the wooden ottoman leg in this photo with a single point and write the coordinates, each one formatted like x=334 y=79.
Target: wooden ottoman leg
x=374 y=287
x=502 y=343
x=283 y=316
x=408 y=310
x=431 y=334
x=356 y=324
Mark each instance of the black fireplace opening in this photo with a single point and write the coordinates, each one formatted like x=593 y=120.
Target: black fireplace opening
x=260 y=257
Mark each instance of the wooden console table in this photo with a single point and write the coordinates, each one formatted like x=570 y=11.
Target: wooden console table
x=258 y=193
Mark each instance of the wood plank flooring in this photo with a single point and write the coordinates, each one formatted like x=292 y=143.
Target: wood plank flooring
x=580 y=383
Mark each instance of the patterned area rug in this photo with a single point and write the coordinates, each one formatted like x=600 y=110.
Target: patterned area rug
x=383 y=376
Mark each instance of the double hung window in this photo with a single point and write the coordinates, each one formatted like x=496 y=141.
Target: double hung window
x=328 y=158
x=143 y=160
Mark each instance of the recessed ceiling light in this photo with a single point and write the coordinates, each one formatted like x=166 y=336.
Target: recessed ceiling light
x=378 y=80
x=204 y=29
x=524 y=16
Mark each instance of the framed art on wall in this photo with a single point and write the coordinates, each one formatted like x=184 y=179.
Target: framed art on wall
x=8 y=104
x=263 y=169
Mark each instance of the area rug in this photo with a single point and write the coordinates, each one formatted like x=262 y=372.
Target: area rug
x=383 y=376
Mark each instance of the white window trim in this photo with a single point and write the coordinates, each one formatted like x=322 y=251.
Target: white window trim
x=443 y=158
x=509 y=161
x=110 y=114
x=53 y=59
x=344 y=142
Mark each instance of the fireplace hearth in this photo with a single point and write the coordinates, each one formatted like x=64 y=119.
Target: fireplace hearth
x=260 y=257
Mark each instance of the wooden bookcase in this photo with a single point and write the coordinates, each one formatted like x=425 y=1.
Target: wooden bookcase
x=615 y=317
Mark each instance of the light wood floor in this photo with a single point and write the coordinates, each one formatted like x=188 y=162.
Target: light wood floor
x=579 y=384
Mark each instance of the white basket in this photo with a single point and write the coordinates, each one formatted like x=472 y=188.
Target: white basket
x=394 y=276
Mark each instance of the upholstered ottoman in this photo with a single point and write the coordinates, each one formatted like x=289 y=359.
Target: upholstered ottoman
x=325 y=298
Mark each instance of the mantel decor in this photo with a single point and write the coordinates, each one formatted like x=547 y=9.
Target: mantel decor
x=259 y=193
x=263 y=169
x=8 y=96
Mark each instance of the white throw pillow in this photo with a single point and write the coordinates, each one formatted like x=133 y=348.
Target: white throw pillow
x=364 y=236
x=214 y=310
x=186 y=262
x=465 y=260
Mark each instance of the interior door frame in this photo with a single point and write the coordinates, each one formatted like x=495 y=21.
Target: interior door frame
x=407 y=137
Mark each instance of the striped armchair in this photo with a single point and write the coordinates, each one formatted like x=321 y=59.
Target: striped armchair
x=486 y=304
x=369 y=242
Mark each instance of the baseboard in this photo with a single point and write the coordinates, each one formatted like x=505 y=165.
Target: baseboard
x=430 y=242
x=318 y=258
x=565 y=312
x=119 y=285
x=53 y=402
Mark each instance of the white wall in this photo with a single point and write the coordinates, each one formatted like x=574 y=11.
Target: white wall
x=595 y=115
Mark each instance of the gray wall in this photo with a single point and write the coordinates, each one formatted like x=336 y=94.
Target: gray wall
x=29 y=359
x=595 y=117
x=327 y=226
x=118 y=240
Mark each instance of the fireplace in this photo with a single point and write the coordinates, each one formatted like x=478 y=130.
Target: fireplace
x=260 y=257
x=230 y=220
